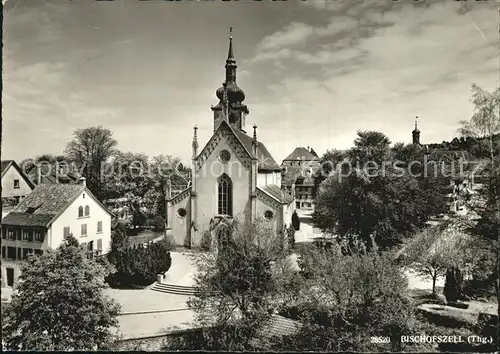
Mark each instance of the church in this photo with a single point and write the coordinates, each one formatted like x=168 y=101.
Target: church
x=233 y=176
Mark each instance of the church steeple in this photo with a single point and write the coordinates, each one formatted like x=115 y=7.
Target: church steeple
x=416 y=133
x=230 y=106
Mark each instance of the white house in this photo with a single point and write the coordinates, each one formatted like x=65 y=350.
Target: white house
x=15 y=185
x=45 y=218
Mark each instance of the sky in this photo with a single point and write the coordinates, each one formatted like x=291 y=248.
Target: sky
x=314 y=72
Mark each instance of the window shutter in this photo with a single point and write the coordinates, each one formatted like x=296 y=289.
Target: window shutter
x=3 y=251
x=99 y=244
x=19 y=234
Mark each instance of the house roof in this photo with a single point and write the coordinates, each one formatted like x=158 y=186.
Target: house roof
x=47 y=202
x=275 y=192
x=24 y=219
x=301 y=153
x=49 y=175
x=7 y=163
x=277 y=326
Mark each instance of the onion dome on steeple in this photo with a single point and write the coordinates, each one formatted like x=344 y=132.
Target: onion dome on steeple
x=234 y=93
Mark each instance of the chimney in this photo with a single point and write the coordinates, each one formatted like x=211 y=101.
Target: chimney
x=83 y=181
x=309 y=148
x=56 y=170
x=38 y=175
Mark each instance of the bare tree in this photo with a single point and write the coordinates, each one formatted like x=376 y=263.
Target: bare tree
x=89 y=149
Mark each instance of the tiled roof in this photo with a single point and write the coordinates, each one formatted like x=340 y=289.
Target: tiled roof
x=301 y=153
x=51 y=198
x=6 y=164
x=276 y=192
x=278 y=326
x=294 y=172
x=265 y=160
x=24 y=219
x=49 y=175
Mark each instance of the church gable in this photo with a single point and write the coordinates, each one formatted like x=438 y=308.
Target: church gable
x=224 y=135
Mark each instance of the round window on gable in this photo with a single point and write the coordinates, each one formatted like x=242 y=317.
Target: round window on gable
x=224 y=156
x=181 y=212
x=268 y=214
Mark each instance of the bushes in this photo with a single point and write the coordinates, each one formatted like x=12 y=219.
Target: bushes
x=206 y=240
x=295 y=221
x=140 y=265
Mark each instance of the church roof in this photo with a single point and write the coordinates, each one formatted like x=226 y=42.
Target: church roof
x=277 y=193
x=301 y=153
x=265 y=159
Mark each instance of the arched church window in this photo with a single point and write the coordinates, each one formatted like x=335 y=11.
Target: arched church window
x=225 y=196
x=181 y=212
x=224 y=156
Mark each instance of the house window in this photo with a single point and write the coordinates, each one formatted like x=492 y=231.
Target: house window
x=66 y=232
x=38 y=236
x=80 y=212
x=27 y=252
x=83 y=245
x=225 y=195
x=84 y=230
x=99 y=226
x=90 y=246
x=99 y=244
x=87 y=210
x=11 y=234
x=4 y=249
x=16 y=184
x=11 y=253
x=26 y=235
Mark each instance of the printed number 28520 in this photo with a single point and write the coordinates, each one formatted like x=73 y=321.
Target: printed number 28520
x=380 y=339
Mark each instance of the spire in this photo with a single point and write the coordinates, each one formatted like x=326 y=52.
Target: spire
x=230 y=55
x=416 y=123
x=255 y=134
x=195 y=141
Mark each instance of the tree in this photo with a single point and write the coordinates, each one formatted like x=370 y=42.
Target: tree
x=61 y=304
x=348 y=299
x=295 y=220
x=378 y=210
x=328 y=164
x=90 y=149
x=485 y=121
x=370 y=146
x=435 y=250
x=237 y=286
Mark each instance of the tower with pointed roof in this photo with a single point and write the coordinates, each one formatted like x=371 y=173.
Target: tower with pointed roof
x=234 y=176
x=416 y=133
x=230 y=107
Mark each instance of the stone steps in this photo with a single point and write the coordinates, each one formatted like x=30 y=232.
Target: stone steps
x=174 y=289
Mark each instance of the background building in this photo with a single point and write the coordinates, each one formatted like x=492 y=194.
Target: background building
x=298 y=170
x=15 y=185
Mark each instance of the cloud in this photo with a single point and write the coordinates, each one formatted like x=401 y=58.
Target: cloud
x=292 y=34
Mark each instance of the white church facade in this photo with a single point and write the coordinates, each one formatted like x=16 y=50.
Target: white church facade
x=233 y=176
